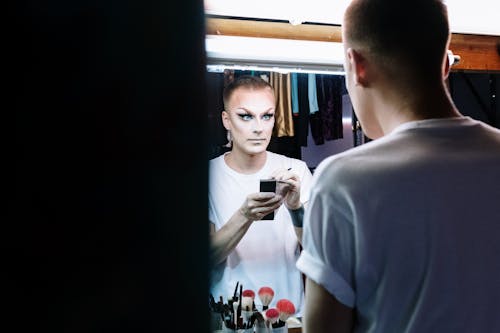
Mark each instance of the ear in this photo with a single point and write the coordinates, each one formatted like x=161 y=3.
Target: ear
x=450 y=58
x=358 y=65
x=225 y=120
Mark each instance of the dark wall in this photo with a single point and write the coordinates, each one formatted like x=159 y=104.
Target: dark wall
x=106 y=227
x=475 y=95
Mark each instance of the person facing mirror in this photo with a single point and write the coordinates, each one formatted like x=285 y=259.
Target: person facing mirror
x=246 y=249
x=402 y=234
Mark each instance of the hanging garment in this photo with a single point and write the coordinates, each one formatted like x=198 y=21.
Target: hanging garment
x=295 y=93
x=301 y=123
x=312 y=93
x=283 y=125
x=316 y=128
x=329 y=93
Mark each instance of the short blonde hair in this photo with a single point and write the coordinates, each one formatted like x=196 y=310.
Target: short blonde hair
x=244 y=81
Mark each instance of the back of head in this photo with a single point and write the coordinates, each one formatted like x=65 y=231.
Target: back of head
x=404 y=38
x=245 y=82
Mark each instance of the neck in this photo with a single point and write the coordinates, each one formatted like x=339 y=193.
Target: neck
x=434 y=103
x=245 y=163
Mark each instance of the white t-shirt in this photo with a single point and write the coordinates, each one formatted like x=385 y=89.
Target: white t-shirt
x=267 y=253
x=406 y=228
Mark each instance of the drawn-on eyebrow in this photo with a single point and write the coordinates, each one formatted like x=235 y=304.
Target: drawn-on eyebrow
x=270 y=110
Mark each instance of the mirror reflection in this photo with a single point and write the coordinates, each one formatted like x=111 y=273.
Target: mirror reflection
x=266 y=125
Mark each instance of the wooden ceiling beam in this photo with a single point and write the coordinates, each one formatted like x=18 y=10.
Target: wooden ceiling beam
x=478 y=53
x=266 y=29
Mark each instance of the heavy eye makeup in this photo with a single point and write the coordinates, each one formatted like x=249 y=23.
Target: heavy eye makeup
x=268 y=116
x=247 y=116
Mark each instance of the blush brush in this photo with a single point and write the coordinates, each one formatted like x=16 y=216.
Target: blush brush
x=247 y=299
x=266 y=295
x=272 y=316
x=286 y=309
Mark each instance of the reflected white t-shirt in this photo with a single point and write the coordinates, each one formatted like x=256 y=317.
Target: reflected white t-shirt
x=267 y=253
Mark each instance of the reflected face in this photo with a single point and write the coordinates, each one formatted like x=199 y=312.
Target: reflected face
x=250 y=119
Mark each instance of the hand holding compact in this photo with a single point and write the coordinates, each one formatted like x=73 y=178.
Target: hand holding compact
x=288 y=186
x=258 y=205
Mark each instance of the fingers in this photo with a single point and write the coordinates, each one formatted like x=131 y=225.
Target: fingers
x=288 y=186
x=260 y=204
x=262 y=196
x=288 y=181
x=262 y=199
x=284 y=175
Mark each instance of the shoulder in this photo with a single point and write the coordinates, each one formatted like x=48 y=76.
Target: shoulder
x=285 y=162
x=493 y=131
x=216 y=160
x=216 y=165
x=351 y=167
x=283 y=159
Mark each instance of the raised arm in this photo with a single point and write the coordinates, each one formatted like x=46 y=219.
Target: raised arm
x=255 y=207
x=289 y=186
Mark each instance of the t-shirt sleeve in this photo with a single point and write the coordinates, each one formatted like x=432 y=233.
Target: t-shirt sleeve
x=211 y=212
x=328 y=255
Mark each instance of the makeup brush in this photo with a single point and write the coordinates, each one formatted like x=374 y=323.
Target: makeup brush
x=257 y=318
x=236 y=290
x=235 y=308
x=266 y=295
x=246 y=313
x=285 y=308
x=239 y=304
x=272 y=316
x=247 y=299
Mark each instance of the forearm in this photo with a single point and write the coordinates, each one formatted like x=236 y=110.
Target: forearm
x=224 y=240
x=324 y=313
x=297 y=216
